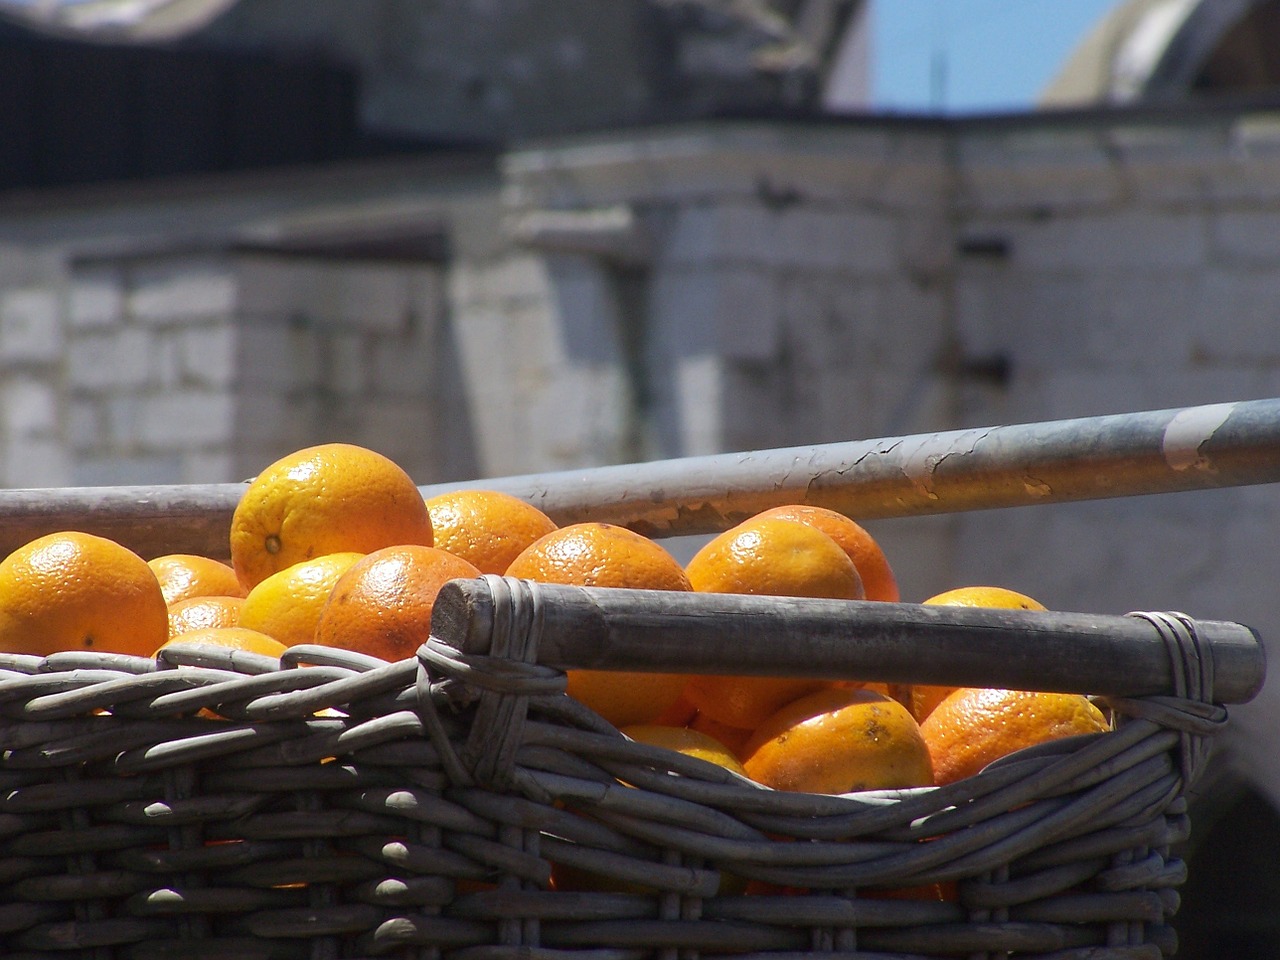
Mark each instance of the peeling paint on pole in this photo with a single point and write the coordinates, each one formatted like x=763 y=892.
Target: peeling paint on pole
x=1187 y=433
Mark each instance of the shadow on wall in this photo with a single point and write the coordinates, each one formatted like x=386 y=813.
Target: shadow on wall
x=1231 y=899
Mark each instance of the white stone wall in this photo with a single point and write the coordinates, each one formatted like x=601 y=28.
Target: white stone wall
x=148 y=370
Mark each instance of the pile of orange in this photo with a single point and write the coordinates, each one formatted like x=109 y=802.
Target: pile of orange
x=335 y=545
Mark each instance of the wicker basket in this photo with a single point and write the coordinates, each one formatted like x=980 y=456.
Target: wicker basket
x=357 y=809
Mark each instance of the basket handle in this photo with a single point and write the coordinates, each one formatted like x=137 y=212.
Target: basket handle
x=701 y=633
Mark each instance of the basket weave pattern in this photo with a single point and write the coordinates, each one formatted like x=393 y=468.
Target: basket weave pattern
x=339 y=806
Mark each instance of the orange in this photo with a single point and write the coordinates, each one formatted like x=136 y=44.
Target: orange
x=287 y=604
x=599 y=555
x=605 y=555
x=78 y=591
x=924 y=698
x=484 y=527
x=777 y=557
x=735 y=738
x=330 y=498
x=382 y=604
x=998 y=597
x=184 y=575
x=237 y=638
x=839 y=741
x=201 y=613
x=691 y=743
x=975 y=726
x=878 y=581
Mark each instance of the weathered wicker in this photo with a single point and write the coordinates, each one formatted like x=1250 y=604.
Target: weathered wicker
x=353 y=808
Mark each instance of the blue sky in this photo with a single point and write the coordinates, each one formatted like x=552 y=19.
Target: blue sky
x=972 y=56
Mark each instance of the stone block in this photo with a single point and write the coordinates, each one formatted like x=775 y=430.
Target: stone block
x=1046 y=321
x=850 y=241
x=1237 y=317
x=1113 y=241
x=86 y=426
x=270 y=420
x=699 y=405
x=682 y=311
x=720 y=233
x=515 y=279
x=585 y=308
x=577 y=420
x=124 y=357
x=96 y=298
x=1036 y=167
x=30 y=326
x=210 y=466
x=401 y=367
x=206 y=354
x=427 y=299
x=281 y=356
x=890 y=323
x=400 y=428
x=139 y=470
x=346 y=364
x=171 y=290
x=274 y=287
x=186 y=419
x=368 y=296
x=36 y=462
x=1240 y=237
x=28 y=408
x=746 y=314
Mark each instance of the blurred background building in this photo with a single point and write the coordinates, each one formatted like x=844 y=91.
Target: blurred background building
x=511 y=236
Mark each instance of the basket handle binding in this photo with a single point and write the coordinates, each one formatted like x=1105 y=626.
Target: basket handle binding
x=505 y=640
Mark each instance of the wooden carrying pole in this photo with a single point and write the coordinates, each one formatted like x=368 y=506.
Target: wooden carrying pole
x=610 y=629
x=1191 y=448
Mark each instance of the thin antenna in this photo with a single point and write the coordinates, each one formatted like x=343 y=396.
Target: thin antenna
x=938 y=59
x=938 y=81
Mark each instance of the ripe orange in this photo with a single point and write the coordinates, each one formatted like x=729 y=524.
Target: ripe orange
x=330 y=498
x=691 y=743
x=926 y=697
x=975 y=726
x=184 y=575
x=735 y=738
x=839 y=741
x=77 y=591
x=237 y=638
x=599 y=555
x=776 y=557
x=999 y=597
x=878 y=581
x=605 y=555
x=202 y=613
x=485 y=527
x=287 y=604
x=382 y=604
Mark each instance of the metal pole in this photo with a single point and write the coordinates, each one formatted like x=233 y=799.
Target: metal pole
x=1164 y=451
